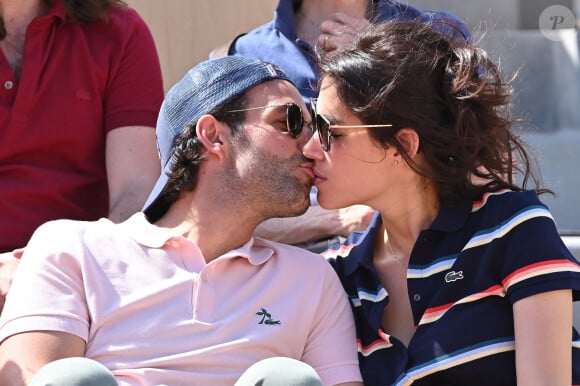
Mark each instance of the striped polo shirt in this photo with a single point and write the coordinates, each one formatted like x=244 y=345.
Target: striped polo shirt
x=464 y=274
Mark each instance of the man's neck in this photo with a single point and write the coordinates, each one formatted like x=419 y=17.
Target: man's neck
x=17 y=14
x=213 y=227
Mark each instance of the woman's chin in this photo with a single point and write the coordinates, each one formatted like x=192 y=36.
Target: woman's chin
x=330 y=204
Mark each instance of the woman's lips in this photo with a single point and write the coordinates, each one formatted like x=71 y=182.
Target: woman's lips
x=318 y=178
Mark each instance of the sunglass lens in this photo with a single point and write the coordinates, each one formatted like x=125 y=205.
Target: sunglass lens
x=295 y=120
x=322 y=126
x=313 y=115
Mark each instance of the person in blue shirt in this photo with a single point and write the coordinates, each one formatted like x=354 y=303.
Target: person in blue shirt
x=299 y=27
x=290 y=40
x=462 y=278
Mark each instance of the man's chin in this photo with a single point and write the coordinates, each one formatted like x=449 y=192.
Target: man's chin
x=299 y=208
x=304 y=208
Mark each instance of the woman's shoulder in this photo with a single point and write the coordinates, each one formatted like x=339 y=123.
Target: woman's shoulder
x=508 y=202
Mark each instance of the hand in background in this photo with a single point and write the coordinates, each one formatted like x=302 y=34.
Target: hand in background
x=316 y=224
x=354 y=218
x=337 y=32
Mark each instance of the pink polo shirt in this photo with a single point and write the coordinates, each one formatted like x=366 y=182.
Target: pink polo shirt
x=154 y=312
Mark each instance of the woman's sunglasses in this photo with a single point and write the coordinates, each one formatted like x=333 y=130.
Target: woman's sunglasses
x=294 y=117
x=322 y=125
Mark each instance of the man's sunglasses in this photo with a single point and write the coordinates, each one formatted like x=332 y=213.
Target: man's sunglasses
x=322 y=125
x=294 y=117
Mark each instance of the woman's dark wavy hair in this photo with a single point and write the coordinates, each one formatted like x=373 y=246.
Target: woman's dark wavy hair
x=189 y=155
x=80 y=11
x=408 y=74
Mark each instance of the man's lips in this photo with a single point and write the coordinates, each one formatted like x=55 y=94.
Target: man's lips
x=308 y=168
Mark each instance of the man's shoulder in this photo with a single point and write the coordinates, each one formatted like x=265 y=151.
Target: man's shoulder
x=121 y=23
x=124 y=15
x=258 y=41
x=508 y=202
x=65 y=237
x=56 y=230
x=69 y=224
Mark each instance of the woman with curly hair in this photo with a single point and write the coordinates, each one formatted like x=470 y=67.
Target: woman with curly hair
x=462 y=278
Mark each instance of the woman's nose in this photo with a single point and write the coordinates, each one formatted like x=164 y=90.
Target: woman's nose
x=312 y=148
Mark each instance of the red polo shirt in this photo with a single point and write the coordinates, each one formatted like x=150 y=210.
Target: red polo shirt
x=78 y=82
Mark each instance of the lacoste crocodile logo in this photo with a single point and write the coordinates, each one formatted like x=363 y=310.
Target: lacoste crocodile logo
x=452 y=276
x=266 y=318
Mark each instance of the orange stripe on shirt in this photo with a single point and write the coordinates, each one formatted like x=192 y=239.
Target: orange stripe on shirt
x=539 y=269
x=435 y=313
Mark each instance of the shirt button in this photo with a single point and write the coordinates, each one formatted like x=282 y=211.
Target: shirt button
x=204 y=278
x=416 y=297
x=8 y=85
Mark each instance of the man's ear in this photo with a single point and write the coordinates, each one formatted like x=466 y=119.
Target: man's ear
x=212 y=134
x=409 y=139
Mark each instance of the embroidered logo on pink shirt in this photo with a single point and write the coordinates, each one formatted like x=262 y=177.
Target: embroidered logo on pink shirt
x=267 y=318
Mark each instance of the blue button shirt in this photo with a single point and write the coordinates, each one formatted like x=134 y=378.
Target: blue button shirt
x=465 y=273
x=276 y=42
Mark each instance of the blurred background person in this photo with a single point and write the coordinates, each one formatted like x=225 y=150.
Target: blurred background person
x=80 y=90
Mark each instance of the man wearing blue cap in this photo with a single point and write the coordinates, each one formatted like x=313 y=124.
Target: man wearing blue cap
x=181 y=293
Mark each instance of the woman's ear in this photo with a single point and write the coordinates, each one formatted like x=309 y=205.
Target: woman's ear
x=212 y=133
x=409 y=140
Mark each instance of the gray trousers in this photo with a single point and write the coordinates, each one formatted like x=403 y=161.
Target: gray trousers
x=277 y=371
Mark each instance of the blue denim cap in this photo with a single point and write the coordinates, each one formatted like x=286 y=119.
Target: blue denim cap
x=206 y=86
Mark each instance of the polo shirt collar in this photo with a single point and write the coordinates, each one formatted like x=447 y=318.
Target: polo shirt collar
x=449 y=219
x=284 y=19
x=145 y=233
x=452 y=218
x=57 y=10
x=149 y=235
x=256 y=252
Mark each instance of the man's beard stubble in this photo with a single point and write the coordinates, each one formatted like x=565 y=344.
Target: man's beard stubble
x=267 y=184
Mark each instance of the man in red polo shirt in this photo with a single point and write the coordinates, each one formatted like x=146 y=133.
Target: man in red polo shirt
x=80 y=89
